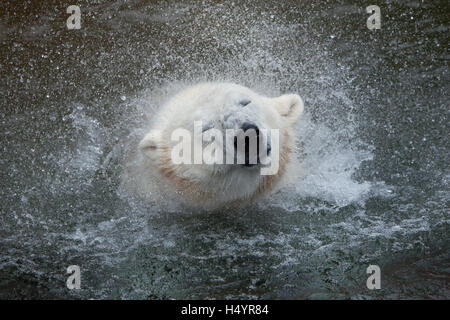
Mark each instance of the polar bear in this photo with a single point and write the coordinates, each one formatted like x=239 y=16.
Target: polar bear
x=222 y=106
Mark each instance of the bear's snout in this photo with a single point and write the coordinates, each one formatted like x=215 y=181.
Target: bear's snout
x=252 y=143
x=247 y=126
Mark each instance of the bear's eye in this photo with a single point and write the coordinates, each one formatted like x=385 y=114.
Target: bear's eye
x=244 y=102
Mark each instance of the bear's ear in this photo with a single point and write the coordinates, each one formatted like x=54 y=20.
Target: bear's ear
x=290 y=107
x=149 y=143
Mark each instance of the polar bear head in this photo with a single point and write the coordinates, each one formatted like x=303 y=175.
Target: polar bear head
x=213 y=141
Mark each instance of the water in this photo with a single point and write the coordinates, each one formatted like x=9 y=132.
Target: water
x=373 y=149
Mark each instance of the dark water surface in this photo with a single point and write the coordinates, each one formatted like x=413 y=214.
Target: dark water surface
x=374 y=150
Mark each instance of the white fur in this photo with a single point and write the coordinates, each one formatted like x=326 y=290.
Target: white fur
x=217 y=105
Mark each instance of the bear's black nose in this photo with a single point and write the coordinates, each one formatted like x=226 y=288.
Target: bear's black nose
x=249 y=144
x=247 y=126
x=250 y=159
